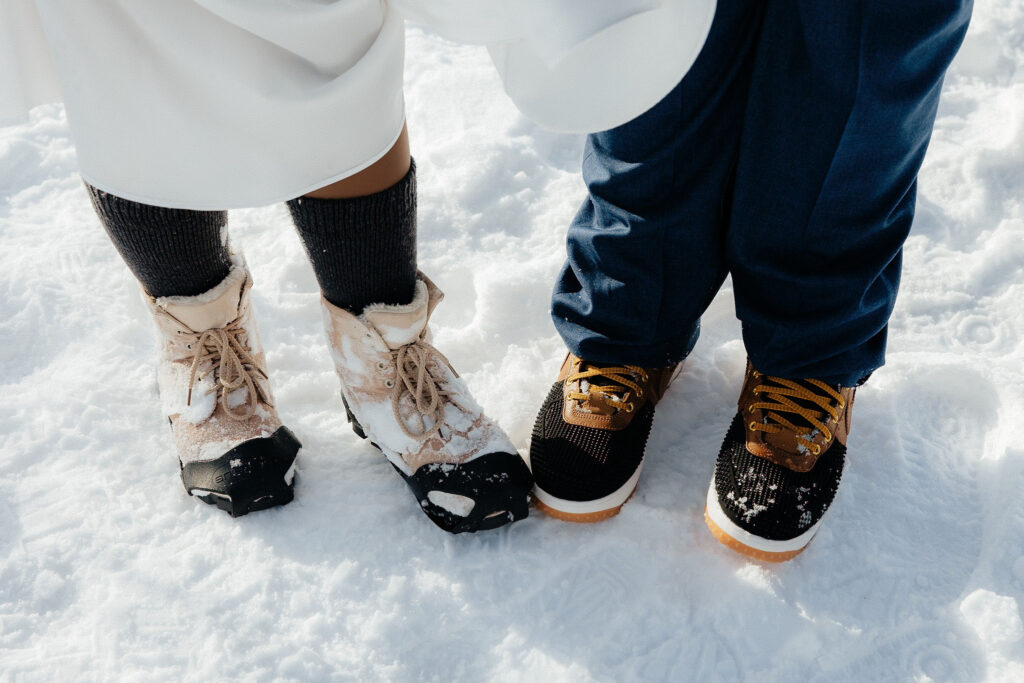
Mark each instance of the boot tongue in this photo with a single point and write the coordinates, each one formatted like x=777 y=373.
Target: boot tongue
x=400 y=325
x=212 y=309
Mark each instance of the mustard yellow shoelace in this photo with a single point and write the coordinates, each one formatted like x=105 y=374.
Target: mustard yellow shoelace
x=627 y=376
x=778 y=395
x=232 y=367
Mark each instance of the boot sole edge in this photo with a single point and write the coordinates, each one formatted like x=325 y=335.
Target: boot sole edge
x=587 y=511
x=726 y=532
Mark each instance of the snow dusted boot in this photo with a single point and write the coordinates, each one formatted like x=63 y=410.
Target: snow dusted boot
x=403 y=395
x=780 y=465
x=233 y=451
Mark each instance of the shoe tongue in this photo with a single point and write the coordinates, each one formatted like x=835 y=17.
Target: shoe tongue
x=211 y=309
x=402 y=324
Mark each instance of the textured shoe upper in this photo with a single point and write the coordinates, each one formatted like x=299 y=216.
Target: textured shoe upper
x=769 y=500
x=591 y=432
x=404 y=393
x=212 y=370
x=783 y=456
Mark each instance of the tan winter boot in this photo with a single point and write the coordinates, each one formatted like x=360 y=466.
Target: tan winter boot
x=233 y=451
x=404 y=396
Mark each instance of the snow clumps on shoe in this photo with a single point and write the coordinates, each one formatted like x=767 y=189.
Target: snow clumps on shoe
x=404 y=396
x=232 y=448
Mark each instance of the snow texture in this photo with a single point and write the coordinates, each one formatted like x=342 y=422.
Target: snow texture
x=108 y=570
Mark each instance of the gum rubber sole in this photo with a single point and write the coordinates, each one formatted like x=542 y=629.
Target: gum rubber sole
x=730 y=534
x=731 y=543
x=587 y=511
x=580 y=518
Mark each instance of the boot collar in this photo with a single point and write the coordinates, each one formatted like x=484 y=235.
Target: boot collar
x=213 y=308
x=403 y=324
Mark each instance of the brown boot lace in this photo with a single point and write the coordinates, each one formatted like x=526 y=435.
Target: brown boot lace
x=604 y=399
x=810 y=407
x=232 y=367
x=424 y=389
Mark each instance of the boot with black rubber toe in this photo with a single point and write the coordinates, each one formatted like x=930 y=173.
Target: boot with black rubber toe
x=233 y=451
x=403 y=395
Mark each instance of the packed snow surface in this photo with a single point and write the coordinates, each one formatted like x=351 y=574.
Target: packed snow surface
x=108 y=570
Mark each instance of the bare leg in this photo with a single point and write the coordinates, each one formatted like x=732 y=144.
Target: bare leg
x=383 y=174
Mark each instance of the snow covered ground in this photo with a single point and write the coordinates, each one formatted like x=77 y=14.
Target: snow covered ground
x=109 y=571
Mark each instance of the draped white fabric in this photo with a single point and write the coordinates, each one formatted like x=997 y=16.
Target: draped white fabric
x=578 y=65
x=213 y=104
x=26 y=72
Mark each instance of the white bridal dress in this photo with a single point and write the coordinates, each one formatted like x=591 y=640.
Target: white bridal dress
x=217 y=104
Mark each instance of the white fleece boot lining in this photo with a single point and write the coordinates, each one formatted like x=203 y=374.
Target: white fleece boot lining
x=399 y=324
x=235 y=277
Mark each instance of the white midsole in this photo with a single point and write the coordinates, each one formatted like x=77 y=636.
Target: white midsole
x=583 y=507
x=718 y=516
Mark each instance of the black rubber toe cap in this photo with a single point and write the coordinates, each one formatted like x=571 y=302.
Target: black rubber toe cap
x=249 y=477
x=499 y=485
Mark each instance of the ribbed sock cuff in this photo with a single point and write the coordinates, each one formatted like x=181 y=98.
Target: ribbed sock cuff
x=363 y=249
x=172 y=252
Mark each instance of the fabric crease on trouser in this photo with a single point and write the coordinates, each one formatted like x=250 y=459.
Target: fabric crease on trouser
x=788 y=158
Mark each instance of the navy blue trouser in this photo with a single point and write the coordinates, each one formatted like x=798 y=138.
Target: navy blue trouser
x=788 y=158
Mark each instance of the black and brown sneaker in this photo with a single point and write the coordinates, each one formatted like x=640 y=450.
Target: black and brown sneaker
x=780 y=465
x=589 y=439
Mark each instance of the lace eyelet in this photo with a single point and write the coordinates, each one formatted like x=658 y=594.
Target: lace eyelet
x=389 y=383
x=753 y=425
x=640 y=394
x=381 y=365
x=842 y=404
x=750 y=409
x=817 y=449
x=629 y=407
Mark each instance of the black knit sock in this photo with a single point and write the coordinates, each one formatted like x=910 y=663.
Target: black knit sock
x=172 y=252
x=363 y=249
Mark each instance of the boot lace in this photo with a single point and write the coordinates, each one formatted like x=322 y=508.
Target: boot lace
x=231 y=364
x=424 y=389
x=604 y=398
x=808 y=402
